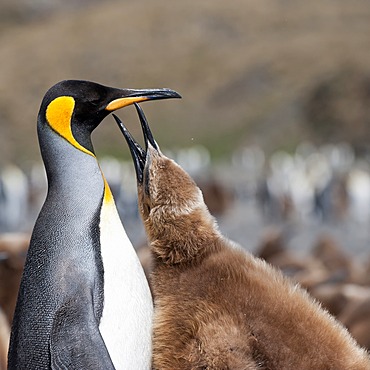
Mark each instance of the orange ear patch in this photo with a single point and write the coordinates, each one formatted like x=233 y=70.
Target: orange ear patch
x=58 y=115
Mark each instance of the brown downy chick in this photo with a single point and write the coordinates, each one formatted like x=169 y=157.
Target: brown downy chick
x=217 y=306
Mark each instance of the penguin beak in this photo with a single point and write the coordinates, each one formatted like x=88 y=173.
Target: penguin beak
x=129 y=96
x=139 y=155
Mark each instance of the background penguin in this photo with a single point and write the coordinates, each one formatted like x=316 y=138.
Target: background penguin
x=84 y=301
x=217 y=306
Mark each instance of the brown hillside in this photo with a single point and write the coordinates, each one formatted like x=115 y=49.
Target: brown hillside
x=244 y=68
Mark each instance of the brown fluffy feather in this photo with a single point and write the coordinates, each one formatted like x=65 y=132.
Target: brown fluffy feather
x=219 y=307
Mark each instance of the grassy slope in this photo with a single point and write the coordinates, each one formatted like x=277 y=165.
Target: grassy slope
x=243 y=66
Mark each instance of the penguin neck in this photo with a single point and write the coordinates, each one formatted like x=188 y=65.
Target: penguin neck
x=72 y=174
x=185 y=239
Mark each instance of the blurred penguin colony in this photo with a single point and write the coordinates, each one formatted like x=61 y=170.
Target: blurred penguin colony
x=306 y=212
x=325 y=185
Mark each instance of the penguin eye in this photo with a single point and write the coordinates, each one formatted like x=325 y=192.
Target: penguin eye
x=94 y=103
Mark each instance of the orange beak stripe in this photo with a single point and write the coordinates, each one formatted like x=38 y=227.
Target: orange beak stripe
x=124 y=102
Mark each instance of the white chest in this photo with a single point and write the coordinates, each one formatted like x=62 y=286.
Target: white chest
x=126 y=323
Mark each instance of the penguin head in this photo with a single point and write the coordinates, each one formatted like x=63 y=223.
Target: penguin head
x=170 y=203
x=74 y=108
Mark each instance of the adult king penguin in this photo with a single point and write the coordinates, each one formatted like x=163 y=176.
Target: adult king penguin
x=215 y=305
x=84 y=302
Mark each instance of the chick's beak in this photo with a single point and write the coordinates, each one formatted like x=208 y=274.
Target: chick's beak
x=139 y=155
x=129 y=96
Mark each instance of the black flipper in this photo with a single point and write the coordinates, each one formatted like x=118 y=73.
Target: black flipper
x=76 y=342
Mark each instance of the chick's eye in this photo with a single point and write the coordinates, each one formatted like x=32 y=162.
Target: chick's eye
x=146 y=208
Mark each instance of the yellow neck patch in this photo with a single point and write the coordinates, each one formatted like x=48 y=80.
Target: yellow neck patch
x=108 y=196
x=59 y=114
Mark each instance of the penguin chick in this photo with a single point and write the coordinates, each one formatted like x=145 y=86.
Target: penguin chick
x=84 y=301
x=217 y=306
